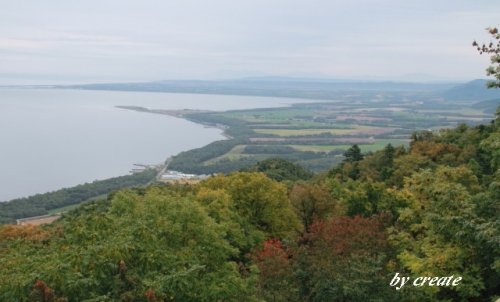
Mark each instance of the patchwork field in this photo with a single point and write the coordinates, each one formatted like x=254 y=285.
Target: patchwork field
x=355 y=130
x=316 y=135
x=377 y=145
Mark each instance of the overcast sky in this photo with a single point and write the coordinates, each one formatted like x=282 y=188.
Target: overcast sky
x=56 y=41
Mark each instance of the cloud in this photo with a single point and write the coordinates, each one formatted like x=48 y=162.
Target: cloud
x=152 y=39
x=20 y=45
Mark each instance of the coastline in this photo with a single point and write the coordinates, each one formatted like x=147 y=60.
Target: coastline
x=181 y=113
x=167 y=136
x=89 y=138
x=235 y=132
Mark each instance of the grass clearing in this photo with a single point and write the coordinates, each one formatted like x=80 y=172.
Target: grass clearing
x=355 y=130
x=270 y=115
x=234 y=153
x=377 y=145
x=302 y=132
x=65 y=209
x=74 y=206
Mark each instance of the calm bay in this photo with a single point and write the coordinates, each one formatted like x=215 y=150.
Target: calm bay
x=55 y=138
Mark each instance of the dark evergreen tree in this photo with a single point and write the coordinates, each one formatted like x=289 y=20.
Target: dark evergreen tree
x=353 y=154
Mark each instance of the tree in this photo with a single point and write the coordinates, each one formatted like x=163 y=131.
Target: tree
x=259 y=200
x=154 y=243
x=344 y=259
x=389 y=153
x=352 y=157
x=432 y=234
x=275 y=272
x=312 y=201
x=492 y=48
x=280 y=169
x=353 y=154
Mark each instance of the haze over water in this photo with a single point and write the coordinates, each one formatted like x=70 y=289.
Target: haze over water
x=50 y=138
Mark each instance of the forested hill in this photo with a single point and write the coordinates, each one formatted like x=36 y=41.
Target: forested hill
x=475 y=90
x=427 y=210
x=41 y=204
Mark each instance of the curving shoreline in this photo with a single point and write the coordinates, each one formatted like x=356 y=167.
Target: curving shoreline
x=181 y=113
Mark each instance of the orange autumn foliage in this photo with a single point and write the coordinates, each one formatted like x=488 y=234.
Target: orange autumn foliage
x=29 y=232
x=434 y=150
x=40 y=292
x=272 y=260
x=150 y=295
x=343 y=236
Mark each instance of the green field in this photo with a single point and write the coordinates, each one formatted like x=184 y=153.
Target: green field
x=233 y=154
x=64 y=209
x=377 y=145
x=355 y=130
x=238 y=152
x=302 y=132
x=312 y=130
x=74 y=206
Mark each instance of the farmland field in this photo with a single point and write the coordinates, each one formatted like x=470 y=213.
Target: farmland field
x=316 y=135
x=377 y=145
x=356 y=129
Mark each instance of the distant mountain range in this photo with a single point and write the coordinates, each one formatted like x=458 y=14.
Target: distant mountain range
x=269 y=83
x=321 y=89
x=474 y=90
x=488 y=106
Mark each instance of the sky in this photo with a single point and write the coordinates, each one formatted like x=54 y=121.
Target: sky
x=61 y=41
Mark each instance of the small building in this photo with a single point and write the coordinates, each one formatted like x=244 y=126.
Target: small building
x=176 y=176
